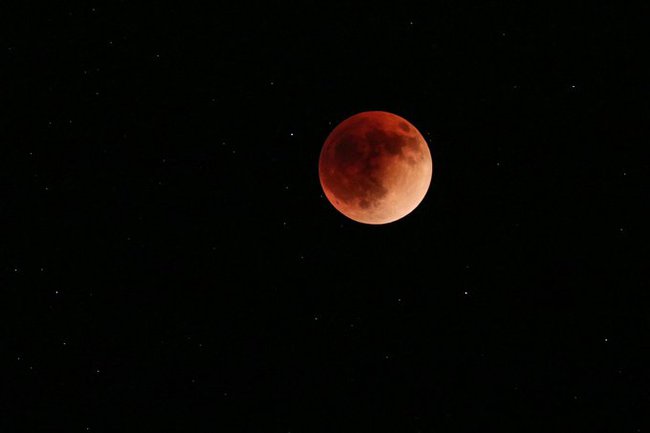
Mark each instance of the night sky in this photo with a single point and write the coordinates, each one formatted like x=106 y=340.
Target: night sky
x=169 y=262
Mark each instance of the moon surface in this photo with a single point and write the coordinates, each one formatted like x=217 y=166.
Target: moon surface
x=375 y=167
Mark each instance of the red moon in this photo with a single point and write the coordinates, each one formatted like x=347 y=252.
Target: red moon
x=375 y=167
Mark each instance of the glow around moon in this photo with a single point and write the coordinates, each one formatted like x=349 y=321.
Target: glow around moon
x=375 y=167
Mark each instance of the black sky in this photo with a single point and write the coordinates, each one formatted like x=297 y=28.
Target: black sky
x=170 y=263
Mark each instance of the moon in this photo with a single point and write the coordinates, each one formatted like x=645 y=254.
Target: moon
x=375 y=167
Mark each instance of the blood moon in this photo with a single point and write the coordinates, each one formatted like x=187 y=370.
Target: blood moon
x=375 y=167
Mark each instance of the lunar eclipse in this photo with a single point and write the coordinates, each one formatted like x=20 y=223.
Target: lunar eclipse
x=375 y=167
